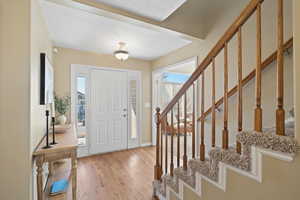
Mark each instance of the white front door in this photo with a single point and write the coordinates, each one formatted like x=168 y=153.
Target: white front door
x=108 y=113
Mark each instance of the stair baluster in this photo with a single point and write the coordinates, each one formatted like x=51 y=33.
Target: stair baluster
x=178 y=133
x=162 y=128
x=225 y=130
x=258 y=110
x=213 y=107
x=280 y=113
x=172 y=145
x=240 y=89
x=166 y=141
x=193 y=124
x=202 y=145
x=185 y=133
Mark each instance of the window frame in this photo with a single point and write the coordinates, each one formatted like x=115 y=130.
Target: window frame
x=75 y=73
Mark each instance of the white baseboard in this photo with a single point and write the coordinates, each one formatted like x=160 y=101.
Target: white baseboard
x=82 y=151
x=146 y=144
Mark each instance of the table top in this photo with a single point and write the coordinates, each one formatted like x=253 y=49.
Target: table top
x=65 y=141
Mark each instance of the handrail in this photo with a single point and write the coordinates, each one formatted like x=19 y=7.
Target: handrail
x=249 y=77
x=246 y=13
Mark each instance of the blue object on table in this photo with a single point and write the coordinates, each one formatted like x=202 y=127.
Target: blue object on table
x=59 y=186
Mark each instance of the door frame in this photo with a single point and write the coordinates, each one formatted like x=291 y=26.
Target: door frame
x=156 y=73
x=85 y=69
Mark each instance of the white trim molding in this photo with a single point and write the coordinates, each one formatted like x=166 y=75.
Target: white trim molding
x=255 y=173
x=146 y=144
x=84 y=70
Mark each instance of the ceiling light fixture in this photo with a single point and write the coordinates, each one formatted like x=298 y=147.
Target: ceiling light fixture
x=121 y=54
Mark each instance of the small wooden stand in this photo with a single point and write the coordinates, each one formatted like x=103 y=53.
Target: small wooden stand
x=66 y=148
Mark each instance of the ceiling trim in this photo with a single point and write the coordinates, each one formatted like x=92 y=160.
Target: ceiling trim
x=123 y=16
x=177 y=65
x=151 y=9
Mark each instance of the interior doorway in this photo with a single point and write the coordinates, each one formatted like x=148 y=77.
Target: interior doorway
x=166 y=82
x=106 y=108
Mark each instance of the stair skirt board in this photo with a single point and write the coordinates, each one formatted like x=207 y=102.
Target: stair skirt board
x=255 y=173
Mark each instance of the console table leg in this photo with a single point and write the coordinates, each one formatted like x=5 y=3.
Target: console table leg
x=51 y=168
x=74 y=174
x=39 y=163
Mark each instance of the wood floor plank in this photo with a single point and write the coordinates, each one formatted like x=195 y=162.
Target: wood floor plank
x=123 y=175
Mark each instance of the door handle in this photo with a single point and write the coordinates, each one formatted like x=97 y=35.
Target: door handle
x=124 y=115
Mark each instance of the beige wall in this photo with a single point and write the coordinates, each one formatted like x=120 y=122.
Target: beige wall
x=65 y=57
x=202 y=47
x=296 y=7
x=40 y=43
x=201 y=50
x=23 y=36
x=15 y=99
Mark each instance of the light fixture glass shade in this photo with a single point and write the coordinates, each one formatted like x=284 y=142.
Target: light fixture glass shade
x=121 y=55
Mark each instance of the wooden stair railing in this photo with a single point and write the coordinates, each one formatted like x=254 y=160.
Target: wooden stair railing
x=162 y=118
x=269 y=60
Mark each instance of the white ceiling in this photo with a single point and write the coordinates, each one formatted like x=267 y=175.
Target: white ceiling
x=74 y=28
x=154 y=9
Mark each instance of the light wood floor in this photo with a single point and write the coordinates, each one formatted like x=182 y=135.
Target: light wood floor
x=124 y=175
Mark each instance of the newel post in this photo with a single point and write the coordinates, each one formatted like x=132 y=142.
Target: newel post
x=157 y=167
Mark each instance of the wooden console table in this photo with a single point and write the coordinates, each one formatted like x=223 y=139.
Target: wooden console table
x=66 y=148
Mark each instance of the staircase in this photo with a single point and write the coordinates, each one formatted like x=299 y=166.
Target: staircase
x=252 y=147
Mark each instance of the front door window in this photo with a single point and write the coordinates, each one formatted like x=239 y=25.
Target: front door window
x=81 y=107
